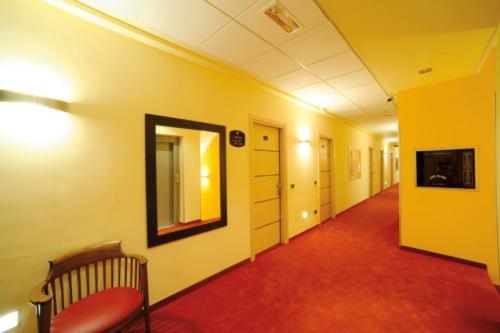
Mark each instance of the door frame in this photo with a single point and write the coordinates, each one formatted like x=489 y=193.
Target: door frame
x=332 y=175
x=391 y=170
x=382 y=171
x=371 y=192
x=282 y=127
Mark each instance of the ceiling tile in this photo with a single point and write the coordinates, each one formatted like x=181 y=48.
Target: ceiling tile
x=235 y=44
x=305 y=11
x=295 y=80
x=319 y=43
x=126 y=9
x=344 y=63
x=351 y=80
x=321 y=95
x=367 y=95
x=270 y=65
x=360 y=117
x=232 y=7
x=188 y=21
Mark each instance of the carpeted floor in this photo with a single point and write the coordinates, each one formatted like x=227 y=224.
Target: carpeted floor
x=348 y=275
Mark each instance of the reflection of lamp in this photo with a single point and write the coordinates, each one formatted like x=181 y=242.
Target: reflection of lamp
x=15 y=97
x=204 y=176
x=204 y=172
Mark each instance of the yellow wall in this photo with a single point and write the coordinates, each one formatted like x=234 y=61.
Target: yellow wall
x=497 y=119
x=69 y=180
x=452 y=114
x=210 y=186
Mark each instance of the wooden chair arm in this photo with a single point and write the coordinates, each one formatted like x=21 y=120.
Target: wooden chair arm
x=142 y=259
x=37 y=296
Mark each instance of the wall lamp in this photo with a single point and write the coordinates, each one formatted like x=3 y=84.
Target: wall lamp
x=16 y=97
x=304 y=135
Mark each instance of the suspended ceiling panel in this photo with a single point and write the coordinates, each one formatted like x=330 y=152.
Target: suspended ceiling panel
x=314 y=62
x=398 y=38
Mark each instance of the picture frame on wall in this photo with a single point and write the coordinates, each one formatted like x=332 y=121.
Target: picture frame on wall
x=446 y=168
x=354 y=167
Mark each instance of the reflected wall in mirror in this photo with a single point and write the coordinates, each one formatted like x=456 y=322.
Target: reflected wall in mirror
x=185 y=165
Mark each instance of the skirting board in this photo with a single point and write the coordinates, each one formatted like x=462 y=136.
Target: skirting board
x=196 y=285
x=444 y=256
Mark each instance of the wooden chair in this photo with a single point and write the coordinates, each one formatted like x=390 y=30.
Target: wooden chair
x=96 y=289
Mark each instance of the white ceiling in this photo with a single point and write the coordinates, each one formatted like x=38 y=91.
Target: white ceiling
x=313 y=63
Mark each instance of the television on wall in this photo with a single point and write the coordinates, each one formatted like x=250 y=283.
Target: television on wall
x=450 y=168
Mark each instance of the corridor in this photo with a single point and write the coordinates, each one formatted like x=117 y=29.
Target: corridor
x=349 y=275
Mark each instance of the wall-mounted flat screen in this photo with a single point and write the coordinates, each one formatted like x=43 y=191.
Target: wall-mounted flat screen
x=451 y=168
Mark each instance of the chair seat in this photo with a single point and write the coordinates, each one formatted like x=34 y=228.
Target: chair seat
x=98 y=312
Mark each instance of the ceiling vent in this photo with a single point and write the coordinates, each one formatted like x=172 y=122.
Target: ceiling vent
x=281 y=16
x=425 y=70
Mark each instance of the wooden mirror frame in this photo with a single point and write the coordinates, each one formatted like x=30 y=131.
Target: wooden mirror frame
x=151 y=199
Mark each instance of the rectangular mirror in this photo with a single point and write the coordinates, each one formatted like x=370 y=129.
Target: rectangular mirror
x=185 y=178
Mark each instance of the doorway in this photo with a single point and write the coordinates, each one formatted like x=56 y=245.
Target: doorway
x=167 y=180
x=266 y=174
x=325 y=179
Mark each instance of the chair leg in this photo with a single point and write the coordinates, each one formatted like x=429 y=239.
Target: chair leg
x=146 y=319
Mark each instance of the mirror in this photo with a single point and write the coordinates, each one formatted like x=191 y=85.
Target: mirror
x=185 y=178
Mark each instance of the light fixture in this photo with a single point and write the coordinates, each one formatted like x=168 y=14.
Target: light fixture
x=304 y=215
x=16 y=97
x=304 y=134
x=9 y=321
x=282 y=17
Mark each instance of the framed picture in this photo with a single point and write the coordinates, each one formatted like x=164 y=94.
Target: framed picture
x=451 y=168
x=354 y=163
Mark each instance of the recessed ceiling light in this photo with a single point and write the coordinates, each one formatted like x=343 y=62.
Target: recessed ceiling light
x=281 y=16
x=425 y=70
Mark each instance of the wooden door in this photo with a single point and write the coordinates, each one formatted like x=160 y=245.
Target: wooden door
x=325 y=177
x=391 y=170
x=266 y=187
x=382 y=171
x=370 y=172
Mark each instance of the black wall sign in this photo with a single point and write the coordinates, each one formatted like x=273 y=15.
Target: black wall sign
x=237 y=138
x=446 y=168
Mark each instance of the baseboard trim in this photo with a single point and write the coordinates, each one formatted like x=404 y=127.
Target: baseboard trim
x=197 y=285
x=444 y=256
x=302 y=233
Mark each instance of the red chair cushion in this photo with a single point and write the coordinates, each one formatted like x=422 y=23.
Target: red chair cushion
x=98 y=312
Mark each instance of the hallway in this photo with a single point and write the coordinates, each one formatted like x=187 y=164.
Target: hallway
x=348 y=275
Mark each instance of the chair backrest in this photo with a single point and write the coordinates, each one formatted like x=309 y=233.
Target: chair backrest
x=87 y=271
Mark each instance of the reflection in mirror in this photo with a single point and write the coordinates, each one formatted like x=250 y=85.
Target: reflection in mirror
x=187 y=178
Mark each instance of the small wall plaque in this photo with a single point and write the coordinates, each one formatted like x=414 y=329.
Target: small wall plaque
x=237 y=138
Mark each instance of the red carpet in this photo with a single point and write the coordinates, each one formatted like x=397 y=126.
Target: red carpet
x=347 y=276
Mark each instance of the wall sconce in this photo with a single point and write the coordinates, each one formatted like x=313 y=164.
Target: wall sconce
x=50 y=103
x=9 y=321
x=304 y=134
